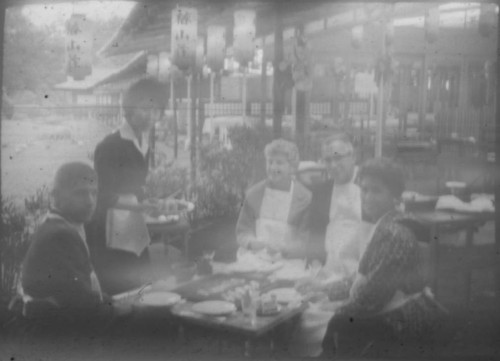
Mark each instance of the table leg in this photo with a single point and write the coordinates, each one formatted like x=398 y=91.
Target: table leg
x=434 y=243
x=249 y=348
x=468 y=275
x=186 y=237
x=181 y=334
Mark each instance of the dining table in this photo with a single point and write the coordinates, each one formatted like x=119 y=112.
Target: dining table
x=444 y=221
x=225 y=279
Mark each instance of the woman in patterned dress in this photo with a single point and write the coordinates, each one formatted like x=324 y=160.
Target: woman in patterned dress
x=387 y=300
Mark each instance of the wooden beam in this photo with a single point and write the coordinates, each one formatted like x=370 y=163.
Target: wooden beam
x=278 y=93
x=497 y=173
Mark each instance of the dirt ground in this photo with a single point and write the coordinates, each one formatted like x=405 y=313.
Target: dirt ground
x=33 y=148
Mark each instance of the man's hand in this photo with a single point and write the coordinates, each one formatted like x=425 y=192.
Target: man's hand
x=310 y=285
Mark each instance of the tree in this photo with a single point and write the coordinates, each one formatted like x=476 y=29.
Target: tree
x=33 y=56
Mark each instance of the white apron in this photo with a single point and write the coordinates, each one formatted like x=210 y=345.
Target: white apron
x=345 y=239
x=345 y=250
x=126 y=230
x=272 y=225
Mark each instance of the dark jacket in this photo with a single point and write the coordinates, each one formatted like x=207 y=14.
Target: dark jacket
x=58 y=266
x=298 y=216
x=319 y=215
x=121 y=168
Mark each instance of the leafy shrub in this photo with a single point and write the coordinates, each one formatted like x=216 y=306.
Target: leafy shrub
x=14 y=244
x=17 y=227
x=225 y=174
x=165 y=180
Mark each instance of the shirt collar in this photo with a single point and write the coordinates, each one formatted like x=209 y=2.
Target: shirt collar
x=54 y=214
x=126 y=132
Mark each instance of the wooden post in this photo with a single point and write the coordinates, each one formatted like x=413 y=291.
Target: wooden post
x=380 y=103
x=174 y=117
x=244 y=95
x=300 y=118
x=423 y=94
x=497 y=178
x=278 y=93
x=192 y=134
x=263 y=87
x=2 y=33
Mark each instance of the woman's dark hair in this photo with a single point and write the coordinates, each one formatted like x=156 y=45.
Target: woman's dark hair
x=145 y=89
x=386 y=171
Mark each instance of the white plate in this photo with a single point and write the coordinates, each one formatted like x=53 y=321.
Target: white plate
x=285 y=295
x=158 y=299
x=214 y=308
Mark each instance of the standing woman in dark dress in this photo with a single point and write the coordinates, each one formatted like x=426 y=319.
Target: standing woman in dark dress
x=121 y=161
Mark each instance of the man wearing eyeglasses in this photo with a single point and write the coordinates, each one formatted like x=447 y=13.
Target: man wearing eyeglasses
x=338 y=236
x=336 y=208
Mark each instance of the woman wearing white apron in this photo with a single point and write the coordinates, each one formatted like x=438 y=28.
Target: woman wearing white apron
x=274 y=214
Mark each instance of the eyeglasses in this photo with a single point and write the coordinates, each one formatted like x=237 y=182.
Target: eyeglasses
x=336 y=157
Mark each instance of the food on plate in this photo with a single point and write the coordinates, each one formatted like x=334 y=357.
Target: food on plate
x=214 y=308
x=285 y=295
x=158 y=299
x=269 y=305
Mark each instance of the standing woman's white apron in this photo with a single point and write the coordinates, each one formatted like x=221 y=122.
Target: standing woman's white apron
x=272 y=225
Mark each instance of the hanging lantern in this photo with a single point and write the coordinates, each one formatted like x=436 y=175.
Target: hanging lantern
x=244 y=36
x=79 y=41
x=432 y=24
x=487 y=19
x=216 y=47
x=357 y=34
x=200 y=54
x=152 y=65
x=184 y=37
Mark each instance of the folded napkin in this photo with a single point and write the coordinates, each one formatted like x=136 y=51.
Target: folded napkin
x=126 y=230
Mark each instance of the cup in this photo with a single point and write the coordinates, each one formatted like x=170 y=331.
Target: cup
x=184 y=271
x=250 y=304
x=459 y=190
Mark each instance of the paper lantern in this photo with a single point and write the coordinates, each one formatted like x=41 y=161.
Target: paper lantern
x=152 y=65
x=244 y=36
x=357 y=34
x=184 y=37
x=487 y=19
x=216 y=47
x=79 y=41
x=432 y=24
x=164 y=66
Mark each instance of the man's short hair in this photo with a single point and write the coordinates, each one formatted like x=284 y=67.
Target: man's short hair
x=71 y=174
x=385 y=170
x=283 y=147
x=339 y=136
x=142 y=89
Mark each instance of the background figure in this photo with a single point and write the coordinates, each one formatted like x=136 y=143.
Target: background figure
x=57 y=272
x=121 y=161
x=274 y=214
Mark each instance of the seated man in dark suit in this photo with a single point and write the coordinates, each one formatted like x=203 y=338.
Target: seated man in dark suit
x=57 y=272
